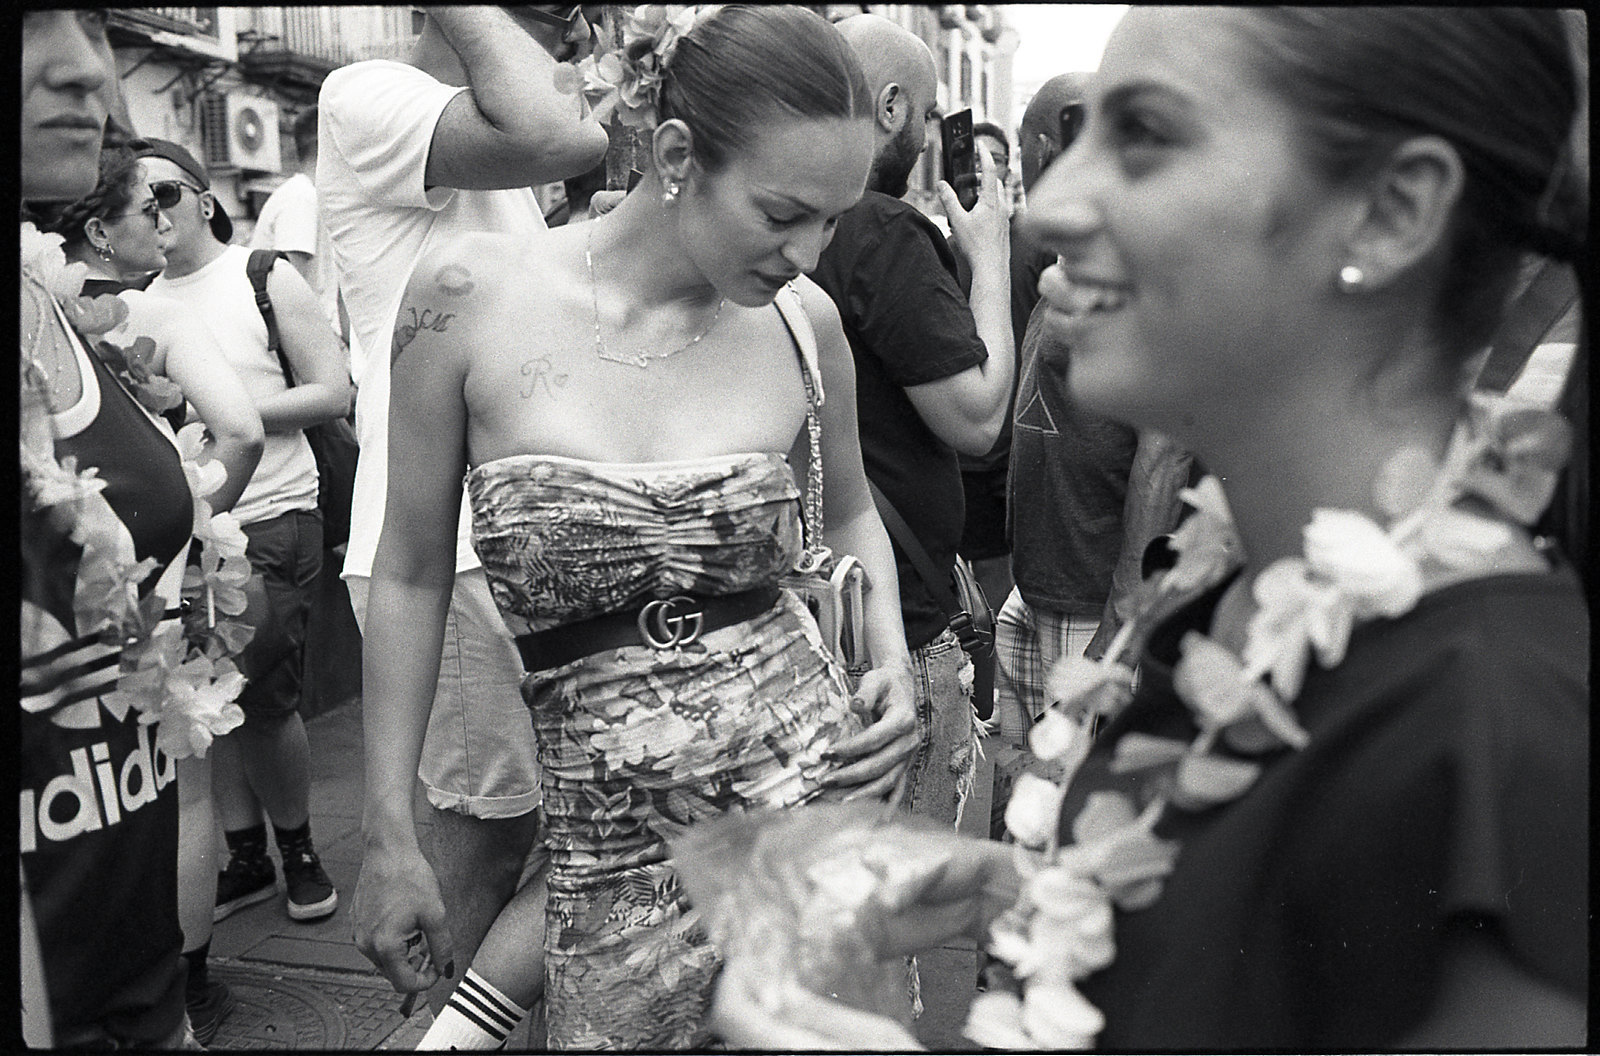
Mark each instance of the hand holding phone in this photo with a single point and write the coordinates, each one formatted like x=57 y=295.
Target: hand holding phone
x=959 y=157
x=979 y=223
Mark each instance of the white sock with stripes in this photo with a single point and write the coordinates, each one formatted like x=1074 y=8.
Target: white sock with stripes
x=476 y=1018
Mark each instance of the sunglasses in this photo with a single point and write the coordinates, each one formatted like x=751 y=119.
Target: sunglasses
x=169 y=192
x=564 y=18
x=151 y=209
x=1071 y=123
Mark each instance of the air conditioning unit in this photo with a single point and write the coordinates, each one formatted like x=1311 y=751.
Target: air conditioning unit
x=241 y=132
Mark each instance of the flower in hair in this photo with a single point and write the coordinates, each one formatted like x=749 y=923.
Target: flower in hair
x=626 y=81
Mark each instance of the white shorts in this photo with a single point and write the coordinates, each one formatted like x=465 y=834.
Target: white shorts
x=479 y=756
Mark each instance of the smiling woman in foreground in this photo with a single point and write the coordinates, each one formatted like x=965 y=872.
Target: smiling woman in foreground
x=1347 y=807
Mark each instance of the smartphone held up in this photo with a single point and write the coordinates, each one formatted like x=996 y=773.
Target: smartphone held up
x=959 y=157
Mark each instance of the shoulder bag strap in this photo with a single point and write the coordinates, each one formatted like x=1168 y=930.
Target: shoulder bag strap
x=794 y=317
x=258 y=267
x=1529 y=318
x=927 y=571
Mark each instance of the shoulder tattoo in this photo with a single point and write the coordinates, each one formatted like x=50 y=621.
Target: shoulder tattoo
x=455 y=279
x=413 y=321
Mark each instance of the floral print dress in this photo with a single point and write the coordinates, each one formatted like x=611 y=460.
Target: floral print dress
x=637 y=743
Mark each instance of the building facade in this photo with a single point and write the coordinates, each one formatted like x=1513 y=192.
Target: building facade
x=228 y=82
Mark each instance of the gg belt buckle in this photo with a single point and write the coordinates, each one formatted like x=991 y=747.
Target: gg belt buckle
x=672 y=622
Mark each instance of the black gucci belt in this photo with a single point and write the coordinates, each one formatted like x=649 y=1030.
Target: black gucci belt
x=665 y=623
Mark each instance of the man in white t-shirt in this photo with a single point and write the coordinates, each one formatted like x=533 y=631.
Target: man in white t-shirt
x=445 y=143
x=289 y=223
x=264 y=765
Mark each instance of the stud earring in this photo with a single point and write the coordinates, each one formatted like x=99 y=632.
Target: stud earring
x=669 y=193
x=1351 y=279
x=105 y=252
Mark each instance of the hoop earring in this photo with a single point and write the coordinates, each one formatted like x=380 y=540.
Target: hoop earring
x=1351 y=279
x=669 y=193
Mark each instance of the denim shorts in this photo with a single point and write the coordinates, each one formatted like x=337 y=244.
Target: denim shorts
x=478 y=757
x=286 y=551
x=942 y=771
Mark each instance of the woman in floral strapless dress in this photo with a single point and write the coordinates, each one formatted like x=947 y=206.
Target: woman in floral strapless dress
x=625 y=402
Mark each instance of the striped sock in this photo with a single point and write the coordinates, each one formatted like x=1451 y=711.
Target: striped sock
x=476 y=1018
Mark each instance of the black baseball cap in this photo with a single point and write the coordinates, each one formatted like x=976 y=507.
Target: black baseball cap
x=221 y=226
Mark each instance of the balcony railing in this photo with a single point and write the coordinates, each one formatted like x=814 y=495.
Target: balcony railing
x=207 y=31
x=198 y=21
x=327 y=36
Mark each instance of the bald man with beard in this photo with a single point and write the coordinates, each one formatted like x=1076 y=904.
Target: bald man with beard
x=933 y=374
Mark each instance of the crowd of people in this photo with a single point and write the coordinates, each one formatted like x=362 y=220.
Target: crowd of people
x=1224 y=396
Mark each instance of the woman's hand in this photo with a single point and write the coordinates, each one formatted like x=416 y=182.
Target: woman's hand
x=959 y=896
x=398 y=919
x=800 y=1021
x=874 y=760
x=955 y=887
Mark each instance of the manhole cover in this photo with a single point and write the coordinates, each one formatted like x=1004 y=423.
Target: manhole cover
x=288 y=1008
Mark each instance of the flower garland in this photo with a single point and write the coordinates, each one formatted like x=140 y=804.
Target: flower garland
x=627 y=82
x=179 y=675
x=1449 y=521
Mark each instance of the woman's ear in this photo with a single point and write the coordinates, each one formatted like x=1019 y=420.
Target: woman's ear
x=94 y=230
x=672 y=150
x=1409 y=204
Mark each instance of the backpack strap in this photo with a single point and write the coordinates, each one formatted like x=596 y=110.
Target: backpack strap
x=1531 y=316
x=257 y=268
x=793 y=313
x=938 y=585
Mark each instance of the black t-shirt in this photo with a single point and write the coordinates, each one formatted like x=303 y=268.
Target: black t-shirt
x=893 y=277
x=1072 y=468
x=1445 y=785
x=99 y=803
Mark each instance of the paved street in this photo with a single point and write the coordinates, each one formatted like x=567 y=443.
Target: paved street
x=304 y=986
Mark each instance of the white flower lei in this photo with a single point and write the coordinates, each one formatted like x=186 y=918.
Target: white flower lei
x=1450 y=521
x=182 y=677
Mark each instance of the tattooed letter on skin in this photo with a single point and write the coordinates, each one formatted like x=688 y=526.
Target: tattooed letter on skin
x=455 y=279
x=413 y=322
x=542 y=377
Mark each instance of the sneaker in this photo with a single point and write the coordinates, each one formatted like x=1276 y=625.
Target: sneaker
x=244 y=883
x=311 y=893
x=208 y=1009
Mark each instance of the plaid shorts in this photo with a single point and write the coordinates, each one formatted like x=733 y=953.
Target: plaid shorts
x=1027 y=643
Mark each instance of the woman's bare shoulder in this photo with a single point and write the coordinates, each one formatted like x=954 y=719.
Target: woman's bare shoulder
x=818 y=305
x=480 y=270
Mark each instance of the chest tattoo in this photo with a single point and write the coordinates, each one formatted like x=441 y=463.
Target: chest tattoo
x=542 y=377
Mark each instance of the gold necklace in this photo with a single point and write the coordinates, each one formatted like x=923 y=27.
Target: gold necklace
x=633 y=359
x=47 y=348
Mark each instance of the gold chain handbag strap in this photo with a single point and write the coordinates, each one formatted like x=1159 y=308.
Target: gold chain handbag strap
x=794 y=317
